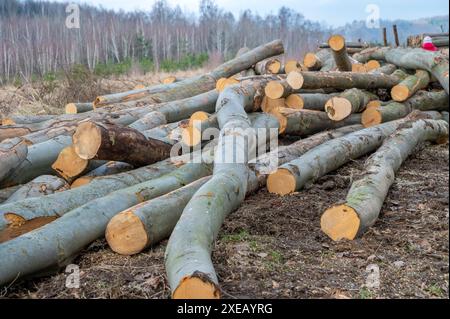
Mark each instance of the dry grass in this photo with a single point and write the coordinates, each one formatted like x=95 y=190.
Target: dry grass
x=50 y=97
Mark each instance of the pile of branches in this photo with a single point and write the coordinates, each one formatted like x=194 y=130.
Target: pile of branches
x=114 y=167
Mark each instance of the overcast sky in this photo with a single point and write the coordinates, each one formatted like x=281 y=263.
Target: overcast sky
x=333 y=12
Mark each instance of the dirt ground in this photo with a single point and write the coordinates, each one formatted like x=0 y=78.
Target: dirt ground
x=272 y=247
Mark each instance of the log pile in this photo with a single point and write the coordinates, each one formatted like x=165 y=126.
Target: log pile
x=175 y=159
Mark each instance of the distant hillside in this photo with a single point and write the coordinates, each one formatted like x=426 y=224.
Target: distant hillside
x=358 y=30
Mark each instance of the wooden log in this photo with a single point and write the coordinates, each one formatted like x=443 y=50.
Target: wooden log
x=111 y=142
x=296 y=82
x=55 y=244
x=409 y=86
x=188 y=265
x=349 y=102
x=292 y=65
x=269 y=104
x=40 y=186
x=109 y=168
x=221 y=194
x=200 y=84
x=170 y=79
x=5 y=193
x=416 y=59
x=388 y=69
x=422 y=101
x=367 y=194
x=311 y=101
x=397 y=41
x=307 y=122
x=315 y=61
x=339 y=52
x=146 y=224
x=268 y=66
x=327 y=157
x=440 y=41
x=25 y=119
x=12 y=153
x=75 y=108
x=60 y=203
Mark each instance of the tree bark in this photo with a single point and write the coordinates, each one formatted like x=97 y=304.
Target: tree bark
x=366 y=196
x=115 y=143
x=12 y=153
x=268 y=66
x=415 y=59
x=313 y=101
x=5 y=193
x=55 y=244
x=60 y=203
x=109 y=168
x=307 y=122
x=348 y=102
x=409 y=86
x=315 y=61
x=327 y=157
x=197 y=85
x=26 y=119
x=339 y=52
x=422 y=101
x=75 y=108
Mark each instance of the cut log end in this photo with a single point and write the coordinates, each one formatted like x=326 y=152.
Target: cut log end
x=294 y=101
x=400 y=93
x=220 y=84
x=340 y=222
x=373 y=103
x=8 y=121
x=87 y=140
x=295 y=80
x=336 y=42
x=69 y=164
x=372 y=65
x=139 y=87
x=338 y=108
x=310 y=60
x=194 y=287
x=274 y=90
x=291 y=66
x=359 y=68
x=126 y=234
x=281 y=119
x=71 y=108
x=84 y=180
x=26 y=226
x=169 y=80
x=281 y=182
x=371 y=117
x=274 y=67
x=198 y=116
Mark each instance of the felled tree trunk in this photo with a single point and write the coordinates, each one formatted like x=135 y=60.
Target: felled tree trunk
x=25 y=119
x=307 y=122
x=415 y=59
x=75 y=108
x=60 y=203
x=197 y=85
x=409 y=86
x=146 y=224
x=348 y=102
x=40 y=186
x=57 y=243
x=339 y=51
x=315 y=61
x=109 y=168
x=422 y=101
x=12 y=153
x=366 y=196
x=268 y=66
x=110 y=142
x=311 y=101
x=327 y=157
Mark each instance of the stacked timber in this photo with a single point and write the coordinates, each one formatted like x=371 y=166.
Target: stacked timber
x=172 y=161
